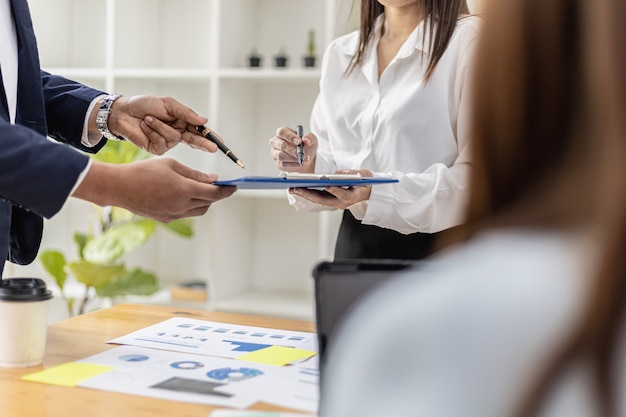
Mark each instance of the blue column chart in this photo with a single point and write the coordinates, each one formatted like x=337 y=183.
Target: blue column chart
x=216 y=339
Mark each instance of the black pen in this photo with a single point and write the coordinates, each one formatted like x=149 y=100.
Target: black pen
x=216 y=139
x=300 y=146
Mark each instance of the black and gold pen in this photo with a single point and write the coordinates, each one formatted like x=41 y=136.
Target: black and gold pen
x=216 y=139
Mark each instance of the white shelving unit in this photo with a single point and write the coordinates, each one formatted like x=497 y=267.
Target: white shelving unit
x=255 y=251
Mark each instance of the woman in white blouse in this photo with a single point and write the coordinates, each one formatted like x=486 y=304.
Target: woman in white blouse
x=393 y=102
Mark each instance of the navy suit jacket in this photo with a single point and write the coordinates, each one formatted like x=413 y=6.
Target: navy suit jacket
x=37 y=174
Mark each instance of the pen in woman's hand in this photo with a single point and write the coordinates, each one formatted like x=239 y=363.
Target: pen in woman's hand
x=216 y=139
x=300 y=146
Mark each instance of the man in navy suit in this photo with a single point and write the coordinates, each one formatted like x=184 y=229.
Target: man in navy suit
x=37 y=175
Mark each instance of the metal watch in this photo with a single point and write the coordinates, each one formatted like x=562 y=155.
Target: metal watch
x=103 y=116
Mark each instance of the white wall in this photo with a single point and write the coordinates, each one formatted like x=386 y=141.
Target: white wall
x=476 y=6
x=173 y=258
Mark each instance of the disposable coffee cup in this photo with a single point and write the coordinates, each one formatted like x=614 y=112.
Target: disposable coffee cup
x=23 y=321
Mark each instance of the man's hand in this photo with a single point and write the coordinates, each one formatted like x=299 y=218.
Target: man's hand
x=156 y=124
x=159 y=188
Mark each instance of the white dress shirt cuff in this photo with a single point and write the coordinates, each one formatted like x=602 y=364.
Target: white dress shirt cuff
x=85 y=137
x=302 y=204
x=359 y=209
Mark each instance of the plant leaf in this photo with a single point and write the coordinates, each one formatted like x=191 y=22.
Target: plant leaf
x=70 y=306
x=94 y=275
x=54 y=263
x=134 y=282
x=118 y=240
x=120 y=153
x=81 y=240
x=120 y=215
x=182 y=227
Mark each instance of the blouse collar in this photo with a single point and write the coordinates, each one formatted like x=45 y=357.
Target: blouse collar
x=418 y=39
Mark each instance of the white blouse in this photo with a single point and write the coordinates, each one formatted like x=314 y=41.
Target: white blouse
x=399 y=127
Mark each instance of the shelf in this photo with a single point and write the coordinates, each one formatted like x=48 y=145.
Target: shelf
x=78 y=72
x=162 y=73
x=190 y=73
x=163 y=297
x=270 y=73
x=265 y=303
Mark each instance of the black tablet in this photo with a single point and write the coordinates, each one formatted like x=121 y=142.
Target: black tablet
x=338 y=284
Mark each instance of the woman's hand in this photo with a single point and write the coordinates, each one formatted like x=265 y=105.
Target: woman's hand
x=284 y=153
x=338 y=197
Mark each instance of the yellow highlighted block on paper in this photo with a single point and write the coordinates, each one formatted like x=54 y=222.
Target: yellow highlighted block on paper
x=276 y=355
x=67 y=375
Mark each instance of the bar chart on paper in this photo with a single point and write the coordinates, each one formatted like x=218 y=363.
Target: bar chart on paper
x=212 y=338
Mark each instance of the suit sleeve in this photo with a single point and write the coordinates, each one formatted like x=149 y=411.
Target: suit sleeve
x=66 y=103
x=37 y=173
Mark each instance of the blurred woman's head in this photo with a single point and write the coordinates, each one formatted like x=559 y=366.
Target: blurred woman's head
x=549 y=151
x=545 y=100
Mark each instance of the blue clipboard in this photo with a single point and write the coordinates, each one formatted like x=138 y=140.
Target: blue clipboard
x=283 y=182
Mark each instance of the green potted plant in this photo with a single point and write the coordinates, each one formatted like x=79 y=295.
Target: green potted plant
x=281 y=59
x=115 y=232
x=309 y=58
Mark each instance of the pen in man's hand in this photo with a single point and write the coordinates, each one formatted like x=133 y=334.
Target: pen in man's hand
x=300 y=146
x=216 y=139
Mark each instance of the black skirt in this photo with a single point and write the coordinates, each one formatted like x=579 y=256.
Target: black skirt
x=364 y=241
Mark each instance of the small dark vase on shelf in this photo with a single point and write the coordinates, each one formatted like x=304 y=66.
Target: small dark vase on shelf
x=254 y=59
x=309 y=61
x=281 y=59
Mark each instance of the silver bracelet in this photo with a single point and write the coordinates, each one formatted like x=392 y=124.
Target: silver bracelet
x=103 y=116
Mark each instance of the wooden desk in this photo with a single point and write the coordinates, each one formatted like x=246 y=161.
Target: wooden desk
x=86 y=335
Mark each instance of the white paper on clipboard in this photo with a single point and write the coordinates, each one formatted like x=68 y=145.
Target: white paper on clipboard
x=308 y=176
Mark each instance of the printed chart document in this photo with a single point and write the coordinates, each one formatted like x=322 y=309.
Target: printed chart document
x=205 y=362
x=219 y=339
x=301 y=180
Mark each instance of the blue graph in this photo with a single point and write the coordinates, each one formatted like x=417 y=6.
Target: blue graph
x=133 y=358
x=187 y=365
x=246 y=347
x=233 y=374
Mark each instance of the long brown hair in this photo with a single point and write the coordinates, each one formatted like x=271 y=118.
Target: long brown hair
x=549 y=145
x=443 y=15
